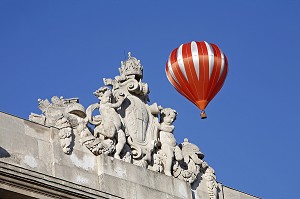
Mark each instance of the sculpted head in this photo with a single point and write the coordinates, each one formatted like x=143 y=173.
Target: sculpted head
x=103 y=94
x=168 y=116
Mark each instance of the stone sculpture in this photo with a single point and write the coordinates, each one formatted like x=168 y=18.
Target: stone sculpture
x=60 y=113
x=127 y=127
x=211 y=182
x=108 y=124
x=166 y=137
x=190 y=162
x=140 y=120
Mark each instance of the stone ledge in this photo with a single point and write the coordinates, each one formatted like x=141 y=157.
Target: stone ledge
x=132 y=190
x=38 y=185
x=233 y=193
x=143 y=177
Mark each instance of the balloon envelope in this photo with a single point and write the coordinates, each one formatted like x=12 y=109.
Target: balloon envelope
x=197 y=70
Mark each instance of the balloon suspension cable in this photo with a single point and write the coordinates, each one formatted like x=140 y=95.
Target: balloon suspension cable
x=203 y=115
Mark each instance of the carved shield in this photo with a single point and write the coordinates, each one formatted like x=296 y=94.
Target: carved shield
x=135 y=116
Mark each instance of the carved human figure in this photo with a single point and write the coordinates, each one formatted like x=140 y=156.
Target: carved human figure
x=166 y=137
x=111 y=124
x=211 y=182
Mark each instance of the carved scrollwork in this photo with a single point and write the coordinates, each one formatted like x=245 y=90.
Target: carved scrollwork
x=211 y=182
x=135 y=149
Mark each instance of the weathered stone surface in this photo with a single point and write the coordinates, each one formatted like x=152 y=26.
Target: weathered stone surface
x=45 y=158
x=117 y=186
x=39 y=132
x=22 y=149
x=77 y=176
x=143 y=177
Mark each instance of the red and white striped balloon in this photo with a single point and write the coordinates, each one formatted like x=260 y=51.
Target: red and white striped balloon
x=197 y=70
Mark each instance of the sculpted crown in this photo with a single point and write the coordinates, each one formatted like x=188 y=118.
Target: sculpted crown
x=131 y=66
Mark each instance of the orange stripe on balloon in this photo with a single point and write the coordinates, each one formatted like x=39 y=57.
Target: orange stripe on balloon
x=216 y=69
x=176 y=85
x=184 y=85
x=190 y=68
x=204 y=71
x=180 y=84
x=201 y=71
x=221 y=80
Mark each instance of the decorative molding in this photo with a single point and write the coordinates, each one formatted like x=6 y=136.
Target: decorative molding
x=26 y=182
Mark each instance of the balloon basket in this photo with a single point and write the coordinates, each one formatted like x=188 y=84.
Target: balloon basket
x=203 y=115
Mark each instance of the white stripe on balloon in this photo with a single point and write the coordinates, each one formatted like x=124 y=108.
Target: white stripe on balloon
x=210 y=58
x=195 y=56
x=222 y=64
x=180 y=62
x=171 y=72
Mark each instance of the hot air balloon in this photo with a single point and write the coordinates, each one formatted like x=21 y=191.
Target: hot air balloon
x=197 y=70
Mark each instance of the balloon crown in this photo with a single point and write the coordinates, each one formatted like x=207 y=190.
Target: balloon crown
x=131 y=66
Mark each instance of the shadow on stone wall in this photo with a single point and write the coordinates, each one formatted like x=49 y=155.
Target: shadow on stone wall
x=4 y=153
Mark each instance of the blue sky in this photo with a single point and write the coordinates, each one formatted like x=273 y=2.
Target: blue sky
x=251 y=136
